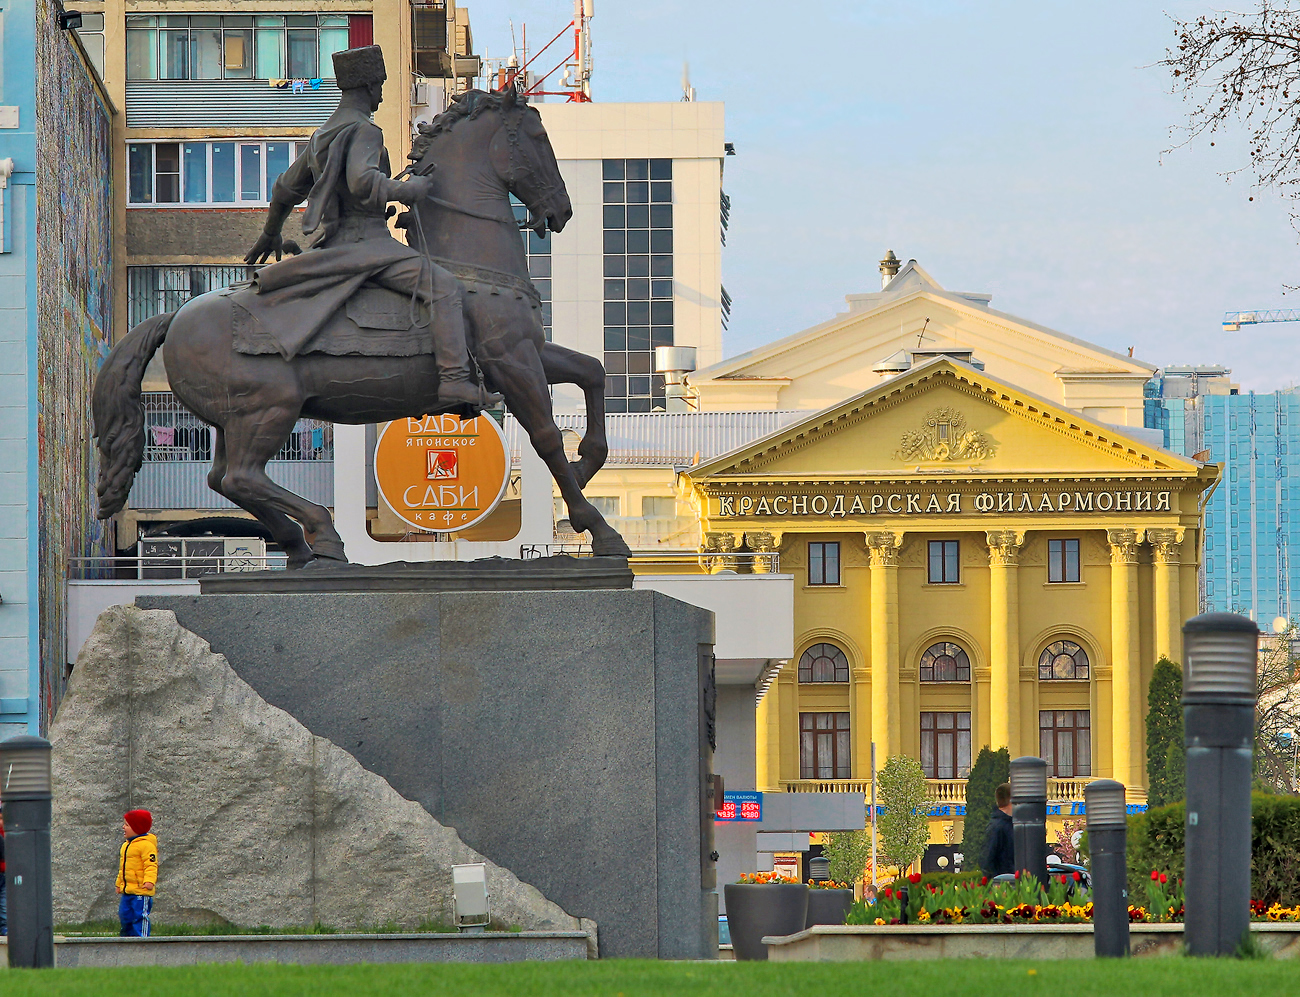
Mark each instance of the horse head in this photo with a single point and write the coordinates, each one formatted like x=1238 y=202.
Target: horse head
x=509 y=137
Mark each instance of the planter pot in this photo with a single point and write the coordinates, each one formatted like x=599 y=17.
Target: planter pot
x=758 y=909
x=828 y=906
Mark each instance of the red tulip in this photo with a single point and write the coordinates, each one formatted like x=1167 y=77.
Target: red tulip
x=1017 y=874
x=1164 y=878
x=889 y=894
x=914 y=878
x=984 y=881
x=1078 y=878
x=1154 y=875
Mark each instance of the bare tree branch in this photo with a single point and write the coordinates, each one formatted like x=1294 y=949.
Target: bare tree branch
x=1233 y=67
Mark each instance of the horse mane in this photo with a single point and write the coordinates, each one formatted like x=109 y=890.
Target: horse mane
x=467 y=107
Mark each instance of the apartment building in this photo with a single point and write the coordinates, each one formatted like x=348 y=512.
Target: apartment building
x=216 y=100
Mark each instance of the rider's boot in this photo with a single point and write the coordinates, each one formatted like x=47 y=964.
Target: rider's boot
x=455 y=383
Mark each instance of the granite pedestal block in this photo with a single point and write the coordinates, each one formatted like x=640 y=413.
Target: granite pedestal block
x=564 y=734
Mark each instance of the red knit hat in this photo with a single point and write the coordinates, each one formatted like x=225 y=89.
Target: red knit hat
x=140 y=820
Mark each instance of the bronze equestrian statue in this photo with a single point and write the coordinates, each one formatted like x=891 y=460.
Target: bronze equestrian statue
x=361 y=328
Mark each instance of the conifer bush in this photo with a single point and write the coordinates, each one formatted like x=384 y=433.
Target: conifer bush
x=991 y=769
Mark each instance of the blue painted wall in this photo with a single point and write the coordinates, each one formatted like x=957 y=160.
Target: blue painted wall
x=19 y=529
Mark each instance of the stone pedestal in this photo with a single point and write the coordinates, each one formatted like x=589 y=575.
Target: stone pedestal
x=565 y=735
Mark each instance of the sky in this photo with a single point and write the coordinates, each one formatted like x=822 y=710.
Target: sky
x=1012 y=148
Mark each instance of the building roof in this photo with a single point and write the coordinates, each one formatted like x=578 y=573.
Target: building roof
x=668 y=439
x=910 y=283
x=1131 y=449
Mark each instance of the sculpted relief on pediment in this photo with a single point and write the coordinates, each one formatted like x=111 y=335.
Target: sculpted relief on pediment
x=944 y=437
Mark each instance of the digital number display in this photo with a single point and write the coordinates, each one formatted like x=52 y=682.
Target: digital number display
x=741 y=806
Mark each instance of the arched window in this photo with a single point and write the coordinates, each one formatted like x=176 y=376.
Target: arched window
x=823 y=663
x=1063 y=659
x=945 y=662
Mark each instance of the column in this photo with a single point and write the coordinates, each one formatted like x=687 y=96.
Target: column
x=766 y=544
x=885 y=722
x=1126 y=664
x=1166 y=550
x=718 y=552
x=1004 y=639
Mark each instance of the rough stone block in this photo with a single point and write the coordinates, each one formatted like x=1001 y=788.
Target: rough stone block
x=562 y=734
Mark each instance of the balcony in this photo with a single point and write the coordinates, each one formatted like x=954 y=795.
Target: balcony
x=943 y=792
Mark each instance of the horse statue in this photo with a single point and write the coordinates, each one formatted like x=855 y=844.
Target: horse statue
x=486 y=146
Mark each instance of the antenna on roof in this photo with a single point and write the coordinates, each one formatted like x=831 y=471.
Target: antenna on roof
x=921 y=334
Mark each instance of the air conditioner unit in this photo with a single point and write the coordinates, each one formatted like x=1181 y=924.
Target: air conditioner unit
x=466 y=65
x=185 y=557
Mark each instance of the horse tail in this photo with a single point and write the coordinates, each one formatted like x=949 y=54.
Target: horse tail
x=119 y=413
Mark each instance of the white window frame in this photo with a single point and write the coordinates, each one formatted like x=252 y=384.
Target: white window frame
x=296 y=144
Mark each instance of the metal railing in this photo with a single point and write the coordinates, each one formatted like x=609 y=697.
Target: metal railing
x=738 y=563
x=173 y=433
x=936 y=790
x=162 y=567
x=152 y=290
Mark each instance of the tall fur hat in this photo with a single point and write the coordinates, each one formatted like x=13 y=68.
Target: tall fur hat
x=359 y=67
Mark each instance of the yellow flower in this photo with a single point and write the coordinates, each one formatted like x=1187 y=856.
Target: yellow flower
x=923 y=916
x=880 y=920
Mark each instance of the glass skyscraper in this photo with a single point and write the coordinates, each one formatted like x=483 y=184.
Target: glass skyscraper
x=1252 y=517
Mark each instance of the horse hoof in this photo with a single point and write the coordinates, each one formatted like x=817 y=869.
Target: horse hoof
x=331 y=550
x=612 y=545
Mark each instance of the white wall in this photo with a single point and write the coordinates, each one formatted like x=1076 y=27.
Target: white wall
x=87 y=599
x=754 y=614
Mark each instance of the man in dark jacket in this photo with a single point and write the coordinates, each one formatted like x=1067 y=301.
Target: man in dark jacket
x=999 y=842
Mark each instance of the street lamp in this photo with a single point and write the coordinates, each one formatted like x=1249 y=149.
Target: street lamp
x=1221 y=652
x=1029 y=815
x=25 y=792
x=1108 y=841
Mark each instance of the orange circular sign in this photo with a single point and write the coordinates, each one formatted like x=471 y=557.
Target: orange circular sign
x=440 y=473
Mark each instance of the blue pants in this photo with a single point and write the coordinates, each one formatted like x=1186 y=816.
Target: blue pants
x=133 y=912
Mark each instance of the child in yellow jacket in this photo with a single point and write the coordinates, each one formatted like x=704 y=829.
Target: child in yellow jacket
x=137 y=873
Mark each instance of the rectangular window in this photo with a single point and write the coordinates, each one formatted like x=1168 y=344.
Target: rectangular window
x=943 y=562
x=195 y=156
x=167 y=172
x=824 y=746
x=277 y=161
x=945 y=745
x=640 y=307
x=239 y=47
x=223 y=172
x=1065 y=742
x=140 y=172
x=1063 y=560
x=141 y=48
x=658 y=507
x=823 y=564
x=250 y=171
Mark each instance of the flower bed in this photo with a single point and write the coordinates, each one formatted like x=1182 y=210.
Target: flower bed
x=1064 y=900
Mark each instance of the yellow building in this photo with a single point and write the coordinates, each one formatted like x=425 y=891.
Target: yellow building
x=987 y=547
x=975 y=565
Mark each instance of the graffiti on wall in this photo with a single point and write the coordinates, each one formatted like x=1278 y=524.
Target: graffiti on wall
x=74 y=309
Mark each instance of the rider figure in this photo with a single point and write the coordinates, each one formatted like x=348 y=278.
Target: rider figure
x=344 y=176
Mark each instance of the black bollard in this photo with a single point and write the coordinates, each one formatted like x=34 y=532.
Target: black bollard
x=25 y=791
x=1029 y=816
x=1221 y=652
x=1108 y=842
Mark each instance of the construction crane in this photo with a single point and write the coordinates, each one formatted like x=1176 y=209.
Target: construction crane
x=1233 y=321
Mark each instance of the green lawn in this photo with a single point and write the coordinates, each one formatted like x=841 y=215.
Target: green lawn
x=1175 y=977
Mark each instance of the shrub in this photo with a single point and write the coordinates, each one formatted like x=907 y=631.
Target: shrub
x=991 y=769
x=1164 y=731
x=1156 y=840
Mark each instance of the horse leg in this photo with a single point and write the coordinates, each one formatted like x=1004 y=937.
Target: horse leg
x=284 y=530
x=566 y=366
x=250 y=443
x=521 y=378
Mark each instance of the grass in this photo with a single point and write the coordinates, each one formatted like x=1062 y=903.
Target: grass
x=1174 y=977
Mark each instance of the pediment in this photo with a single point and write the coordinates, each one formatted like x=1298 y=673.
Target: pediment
x=945 y=418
